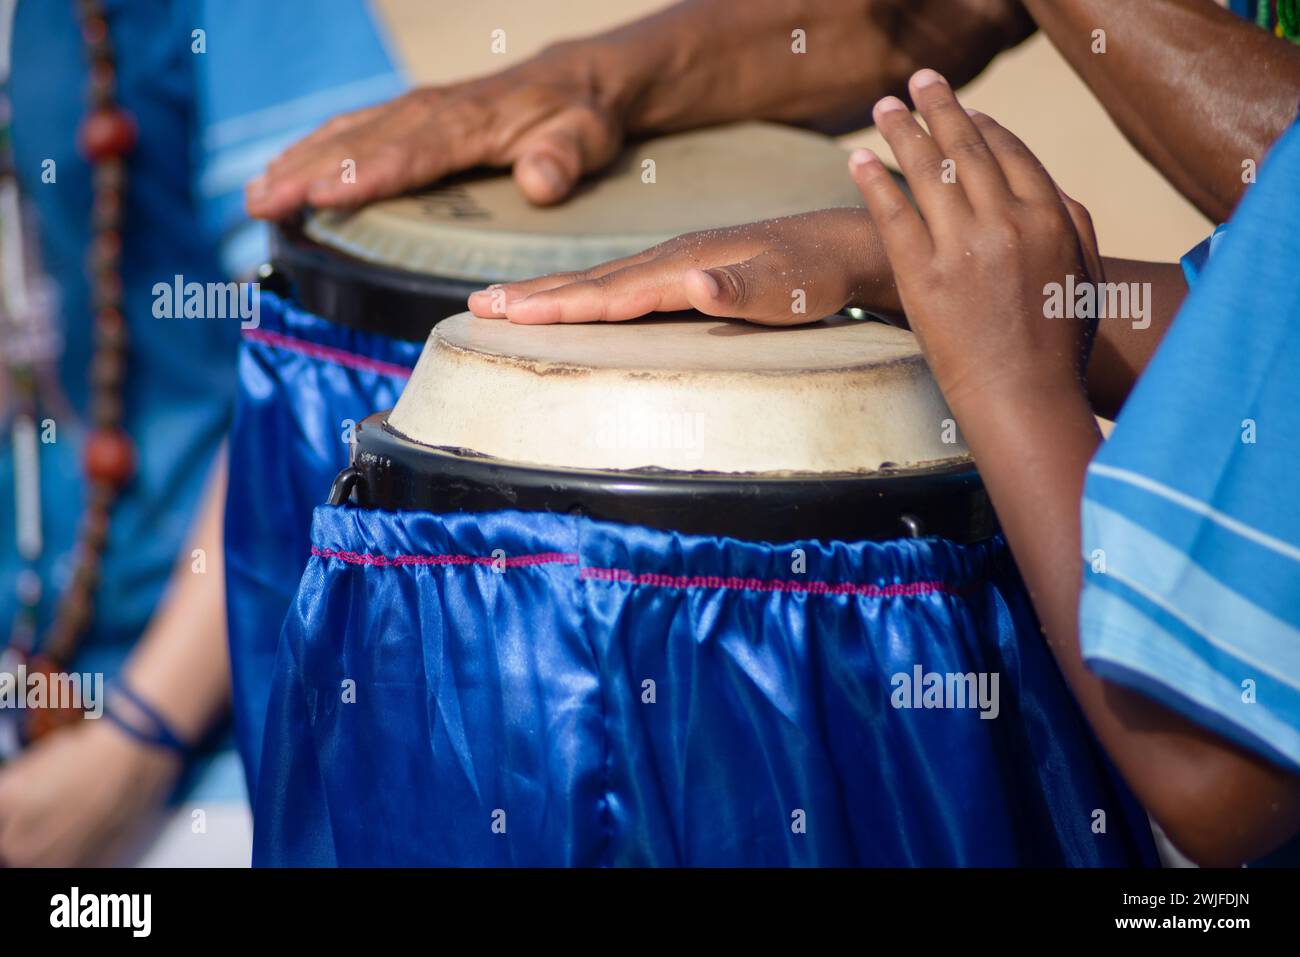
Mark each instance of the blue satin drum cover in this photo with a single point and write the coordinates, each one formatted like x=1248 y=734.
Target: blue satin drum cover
x=355 y=293
x=522 y=686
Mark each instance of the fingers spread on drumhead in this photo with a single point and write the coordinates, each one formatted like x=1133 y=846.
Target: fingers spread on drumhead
x=333 y=151
x=901 y=227
x=1024 y=173
x=942 y=201
x=967 y=159
x=492 y=301
x=625 y=294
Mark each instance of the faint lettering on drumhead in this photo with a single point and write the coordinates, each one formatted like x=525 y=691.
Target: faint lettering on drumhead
x=498 y=44
x=452 y=201
x=631 y=429
x=799 y=40
x=926 y=690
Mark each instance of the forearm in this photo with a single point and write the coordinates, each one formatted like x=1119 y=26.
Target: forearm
x=1125 y=343
x=1195 y=88
x=712 y=61
x=1219 y=804
x=180 y=665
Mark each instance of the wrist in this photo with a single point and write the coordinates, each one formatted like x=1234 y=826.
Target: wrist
x=871 y=278
x=1016 y=397
x=152 y=769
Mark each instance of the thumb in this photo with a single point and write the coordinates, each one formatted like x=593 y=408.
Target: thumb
x=550 y=162
x=547 y=173
x=550 y=159
x=762 y=289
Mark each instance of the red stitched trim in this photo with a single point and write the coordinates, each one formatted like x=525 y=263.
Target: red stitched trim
x=657 y=580
x=328 y=353
x=653 y=579
x=513 y=561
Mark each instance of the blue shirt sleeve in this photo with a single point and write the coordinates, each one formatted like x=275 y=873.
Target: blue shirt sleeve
x=1191 y=513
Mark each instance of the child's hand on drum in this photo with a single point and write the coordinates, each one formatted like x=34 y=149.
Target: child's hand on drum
x=974 y=266
x=778 y=272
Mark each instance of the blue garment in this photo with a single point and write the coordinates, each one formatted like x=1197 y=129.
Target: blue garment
x=303 y=382
x=266 y=73
x=180 y=372
x=535 y=689
x=272 y=73
x=1191 y=518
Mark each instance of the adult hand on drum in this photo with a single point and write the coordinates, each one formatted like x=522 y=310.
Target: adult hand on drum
x=546 y=118
x=975 y=257
x=778 y=272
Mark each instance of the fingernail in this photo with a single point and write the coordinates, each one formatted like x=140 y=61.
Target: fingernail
x=861 y=157
x=889 y=104
x=927 y=77
x=970 y=112
x=551 y=172
x=710 y=284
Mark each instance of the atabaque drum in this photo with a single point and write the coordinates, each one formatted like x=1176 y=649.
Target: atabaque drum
x=350 y=297
x=678 y=591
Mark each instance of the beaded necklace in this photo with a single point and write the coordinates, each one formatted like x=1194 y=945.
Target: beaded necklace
x=105 y=137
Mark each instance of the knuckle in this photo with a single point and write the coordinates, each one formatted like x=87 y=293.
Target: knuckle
x=734 y=287
x=967 y=145
x=930 y=166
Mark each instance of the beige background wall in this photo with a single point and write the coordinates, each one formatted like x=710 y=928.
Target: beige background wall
x=1030 y=89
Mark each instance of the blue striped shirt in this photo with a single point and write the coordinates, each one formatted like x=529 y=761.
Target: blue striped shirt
x=1191 y=513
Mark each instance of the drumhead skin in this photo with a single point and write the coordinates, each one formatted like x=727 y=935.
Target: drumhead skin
x=480 y=229
x=689 y=394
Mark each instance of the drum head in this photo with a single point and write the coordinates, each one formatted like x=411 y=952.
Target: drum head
x=479 y=229
x=689 y=394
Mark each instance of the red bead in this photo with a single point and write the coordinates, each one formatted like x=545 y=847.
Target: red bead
x=109 y=457
x=106 y=132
